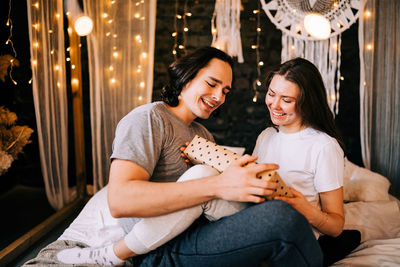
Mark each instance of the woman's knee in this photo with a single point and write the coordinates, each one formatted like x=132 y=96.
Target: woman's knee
x=198 y=171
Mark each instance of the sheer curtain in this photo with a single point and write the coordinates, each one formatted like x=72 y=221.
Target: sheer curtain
x=120 y=52
x=46 y=34
x=379 y=37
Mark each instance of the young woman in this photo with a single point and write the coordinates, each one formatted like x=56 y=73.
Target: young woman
x=303 y=140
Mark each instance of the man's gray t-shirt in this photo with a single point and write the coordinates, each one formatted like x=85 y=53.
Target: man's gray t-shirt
x=151 y=136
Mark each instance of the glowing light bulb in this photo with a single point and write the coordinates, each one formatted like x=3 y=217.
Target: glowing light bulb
x=317 y=26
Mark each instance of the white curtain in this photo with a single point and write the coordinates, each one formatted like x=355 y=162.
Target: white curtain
x=120 y=52
x=46 y=33
x=379 y=40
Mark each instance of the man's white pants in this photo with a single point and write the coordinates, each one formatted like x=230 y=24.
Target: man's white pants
x=150 y=233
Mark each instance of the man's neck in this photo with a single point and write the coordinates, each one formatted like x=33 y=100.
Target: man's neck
x=181 y=113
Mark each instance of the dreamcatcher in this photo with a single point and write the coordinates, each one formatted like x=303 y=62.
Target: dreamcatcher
x=312 y=29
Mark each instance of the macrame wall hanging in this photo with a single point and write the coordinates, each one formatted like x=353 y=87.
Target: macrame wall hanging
x=225 y=27
x=288 y=16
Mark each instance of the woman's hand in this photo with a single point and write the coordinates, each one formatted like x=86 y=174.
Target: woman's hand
x=239 y=182
x=330 y=219
x=299 y=202
x=183 y=155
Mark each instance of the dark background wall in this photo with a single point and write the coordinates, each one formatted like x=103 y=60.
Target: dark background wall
x=241 y=120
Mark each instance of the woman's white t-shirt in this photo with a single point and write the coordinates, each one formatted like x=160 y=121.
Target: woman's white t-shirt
x=310 y=161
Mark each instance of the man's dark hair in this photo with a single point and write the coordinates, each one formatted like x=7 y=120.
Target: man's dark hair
x=312 y=103
x=184 y=69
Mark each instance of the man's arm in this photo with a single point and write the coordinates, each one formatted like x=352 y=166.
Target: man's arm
x=131 y=194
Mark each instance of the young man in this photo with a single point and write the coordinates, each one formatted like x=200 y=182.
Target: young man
x=146 y=164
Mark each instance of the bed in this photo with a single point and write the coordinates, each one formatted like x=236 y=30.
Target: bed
x=370 y=209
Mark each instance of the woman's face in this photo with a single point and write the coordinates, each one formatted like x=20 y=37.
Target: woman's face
x=281 y=102
x=207 y=91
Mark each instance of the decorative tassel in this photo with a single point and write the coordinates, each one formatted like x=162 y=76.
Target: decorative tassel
x=225 y=25
x=325 y=55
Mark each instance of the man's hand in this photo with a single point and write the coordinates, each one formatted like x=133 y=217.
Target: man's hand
x=239 y=181
x=183 y=155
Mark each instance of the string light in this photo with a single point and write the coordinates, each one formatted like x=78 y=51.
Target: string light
x=257 y=83
x=10 y=42
x=185 y=29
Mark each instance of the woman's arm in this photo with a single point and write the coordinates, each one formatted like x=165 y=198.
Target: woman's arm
x=131 y=194
x=330 y=219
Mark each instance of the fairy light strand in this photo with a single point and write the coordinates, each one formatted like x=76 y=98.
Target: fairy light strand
x=9 y=41
x=175 y=33
x=257 y=82
x=179 y=48
x=185 y=27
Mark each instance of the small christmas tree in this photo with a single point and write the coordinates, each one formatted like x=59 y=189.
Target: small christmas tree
x=12 y=137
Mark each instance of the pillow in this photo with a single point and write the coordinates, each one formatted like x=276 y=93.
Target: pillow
x=374 y=220
x=361 y=184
